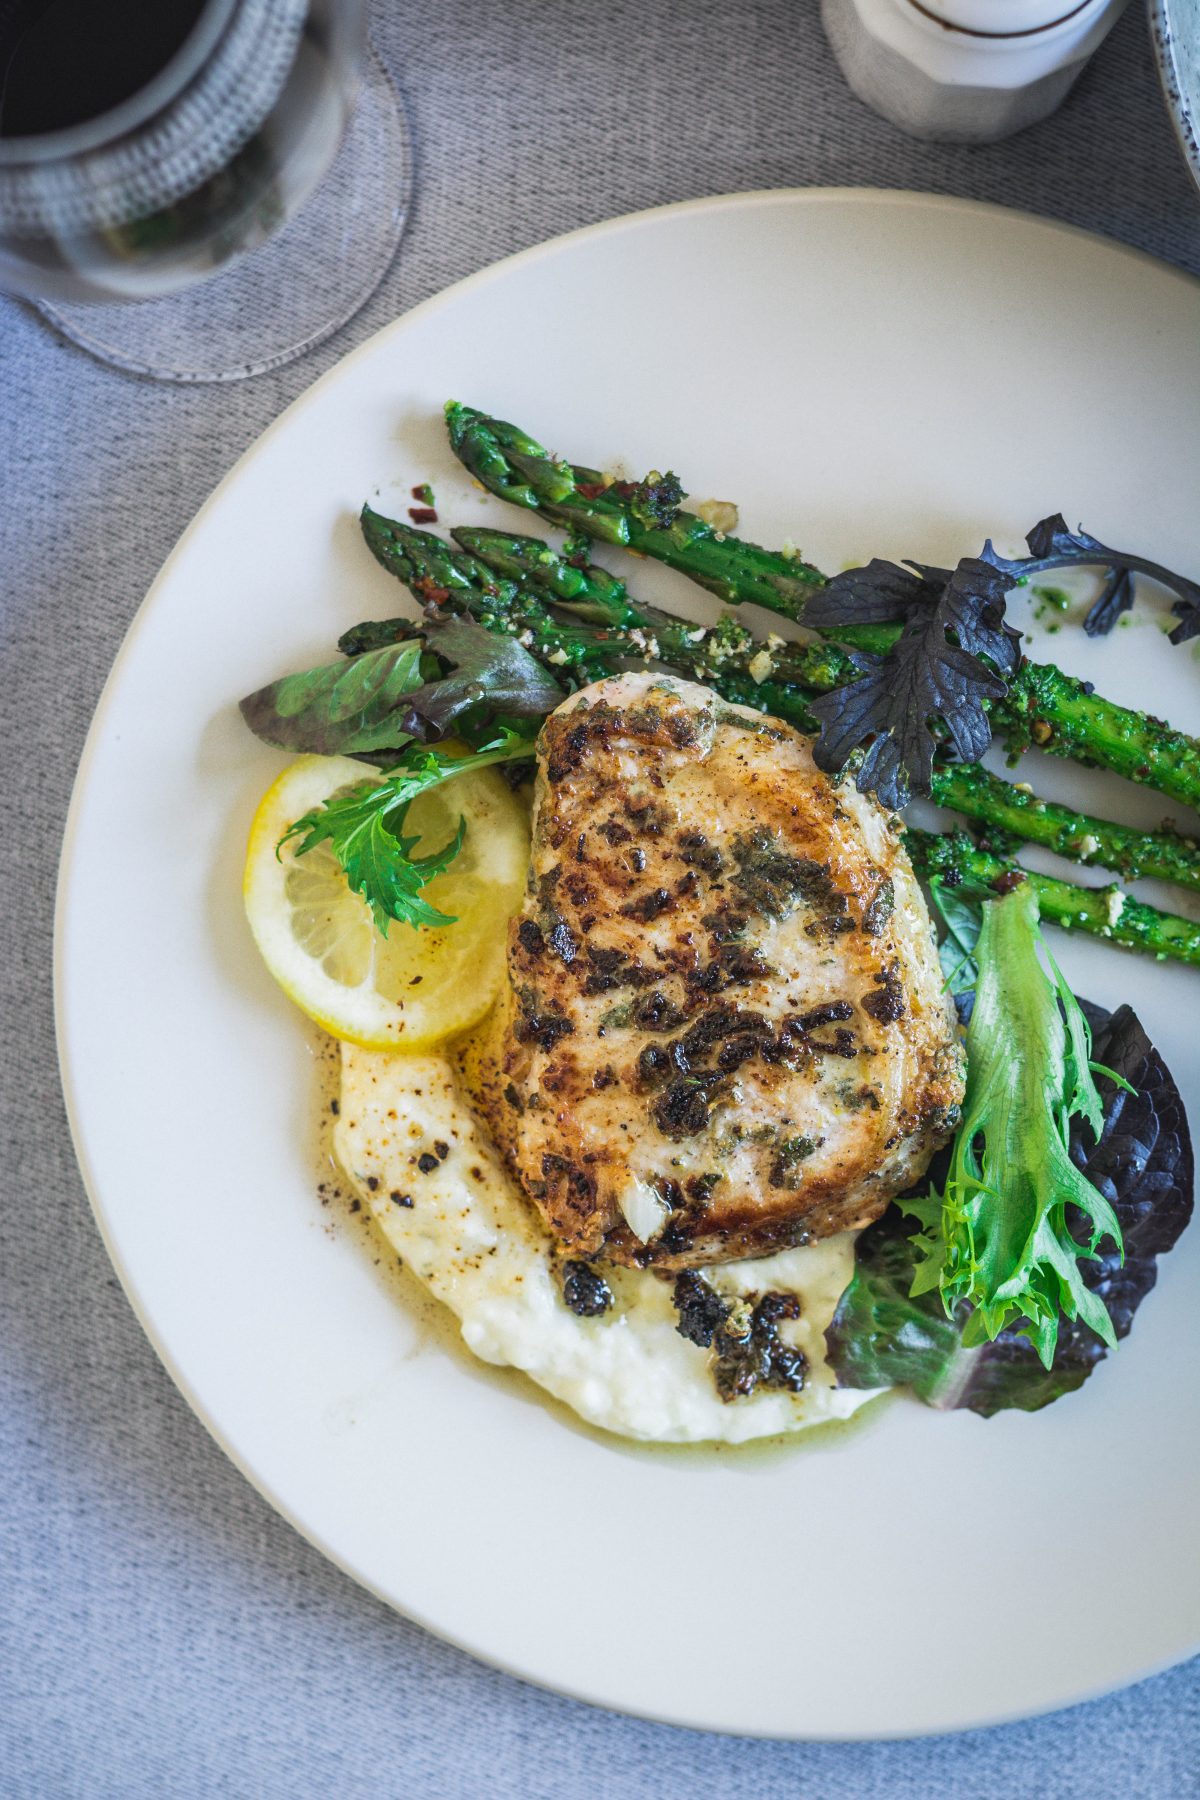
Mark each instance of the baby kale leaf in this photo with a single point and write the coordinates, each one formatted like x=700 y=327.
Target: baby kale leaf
x=343 y=708
x=490 y=676
x=961 y=913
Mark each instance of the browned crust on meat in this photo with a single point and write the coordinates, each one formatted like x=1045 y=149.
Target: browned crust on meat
x=719 y=952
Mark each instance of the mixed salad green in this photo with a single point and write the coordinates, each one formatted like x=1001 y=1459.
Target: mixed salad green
x=1034 y=1238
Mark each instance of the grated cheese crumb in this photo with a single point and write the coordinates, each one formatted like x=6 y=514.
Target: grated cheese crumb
x=722 y=515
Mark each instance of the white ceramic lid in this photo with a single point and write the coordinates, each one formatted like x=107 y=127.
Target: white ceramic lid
x=1008 y=18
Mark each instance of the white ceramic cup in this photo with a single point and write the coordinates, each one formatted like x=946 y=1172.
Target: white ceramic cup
x=967 y=71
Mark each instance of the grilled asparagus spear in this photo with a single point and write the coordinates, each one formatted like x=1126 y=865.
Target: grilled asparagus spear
x=1103 y=912
x=728 y=659
x=1043 y=706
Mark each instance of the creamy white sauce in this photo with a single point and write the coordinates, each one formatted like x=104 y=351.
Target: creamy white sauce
x=475 y=1242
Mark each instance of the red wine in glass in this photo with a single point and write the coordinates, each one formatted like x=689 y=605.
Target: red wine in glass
x=65 y=62
x=146 y=144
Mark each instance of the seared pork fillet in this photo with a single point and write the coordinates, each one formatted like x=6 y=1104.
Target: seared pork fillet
x=726 y=1030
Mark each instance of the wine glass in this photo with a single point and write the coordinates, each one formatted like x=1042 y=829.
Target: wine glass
x=228 y=213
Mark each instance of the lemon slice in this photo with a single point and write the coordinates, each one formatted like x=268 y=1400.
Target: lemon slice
x=415 y=987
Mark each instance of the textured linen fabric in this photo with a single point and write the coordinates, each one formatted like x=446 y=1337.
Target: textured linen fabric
x=162 y=1632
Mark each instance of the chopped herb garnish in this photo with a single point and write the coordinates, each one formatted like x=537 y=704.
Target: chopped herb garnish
x=364 y=828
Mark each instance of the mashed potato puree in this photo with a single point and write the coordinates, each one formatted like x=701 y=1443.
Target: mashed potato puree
x=413 y=1151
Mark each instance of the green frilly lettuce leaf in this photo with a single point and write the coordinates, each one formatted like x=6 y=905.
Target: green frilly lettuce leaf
x=1140 y=1161
x=996 y=1237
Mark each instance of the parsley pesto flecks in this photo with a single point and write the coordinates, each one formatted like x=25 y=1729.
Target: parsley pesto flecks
x=721 y=989
x=786 y=1170
x=869 y=610
x=775 y=882
x=467 y=1233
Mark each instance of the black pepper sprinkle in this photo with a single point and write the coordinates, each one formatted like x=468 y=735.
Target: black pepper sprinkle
x=427 y=1163
x=335 y=1107
x=440 y=1150
x=400 y=1199
x=373 y=1182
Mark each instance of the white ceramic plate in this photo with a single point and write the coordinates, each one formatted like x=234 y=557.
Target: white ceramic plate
x=865 y=373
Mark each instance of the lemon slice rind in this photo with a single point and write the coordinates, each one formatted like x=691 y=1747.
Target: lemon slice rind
x=414 y=988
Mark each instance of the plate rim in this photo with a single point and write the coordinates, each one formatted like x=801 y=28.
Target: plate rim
x=749 y=199
x=1179 y=106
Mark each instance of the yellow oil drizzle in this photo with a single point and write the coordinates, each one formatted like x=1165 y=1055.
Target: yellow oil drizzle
x=438 y=1329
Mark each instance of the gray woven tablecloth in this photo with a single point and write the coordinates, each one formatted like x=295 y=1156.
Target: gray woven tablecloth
x=162 y=1632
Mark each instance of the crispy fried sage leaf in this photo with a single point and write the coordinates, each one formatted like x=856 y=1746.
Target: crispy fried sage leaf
x=971 y=605
x=1141 y=1162
x=880 y=593
x=381 y=699
x=970 y=599
x=889 y=713
x=1052 y=545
